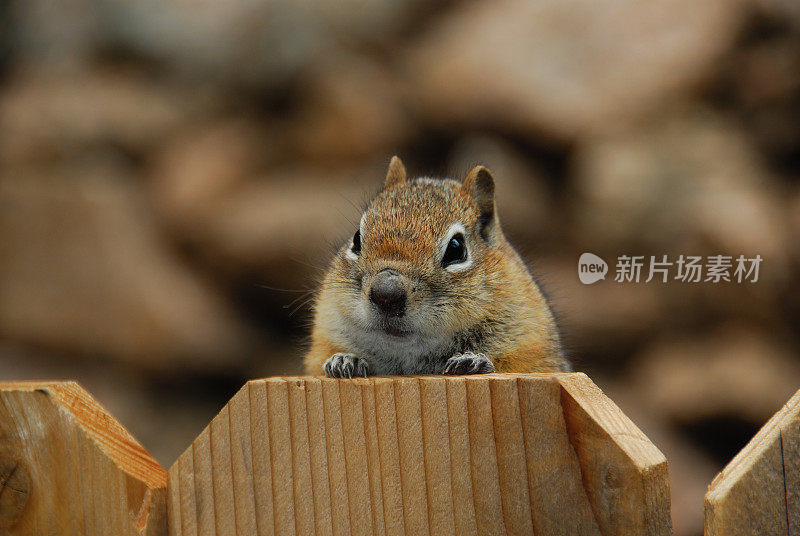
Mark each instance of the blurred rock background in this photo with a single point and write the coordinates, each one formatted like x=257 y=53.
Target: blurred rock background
x=175 y=175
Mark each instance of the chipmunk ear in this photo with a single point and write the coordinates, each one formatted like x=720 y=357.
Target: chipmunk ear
x=479 y=184
x=397 y=172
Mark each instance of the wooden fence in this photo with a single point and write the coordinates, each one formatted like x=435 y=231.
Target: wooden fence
x=493 y=454
x=759 y=491
x=67 y=467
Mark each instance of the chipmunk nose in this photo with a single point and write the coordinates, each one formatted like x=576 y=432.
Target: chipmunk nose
x=388 y=294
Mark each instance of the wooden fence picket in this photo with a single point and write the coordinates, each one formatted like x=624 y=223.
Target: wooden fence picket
x=489 y=454
x=758 y=492
x=67 y=467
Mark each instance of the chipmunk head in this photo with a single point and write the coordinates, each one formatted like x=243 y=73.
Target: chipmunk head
x=421 y=264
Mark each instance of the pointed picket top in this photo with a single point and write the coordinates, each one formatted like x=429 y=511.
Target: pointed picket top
x=489 y=454
x=68 y=467
x=758 y=492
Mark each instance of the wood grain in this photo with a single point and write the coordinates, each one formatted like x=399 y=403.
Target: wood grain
x=337 y=470
x=790 y=443
x=355 y=454
x=624 y=474
x=318 y=457
x=241 y=457
x=373 y=455
x=68 y=467
x=460 y=457
x=262 y=457
x=186 y=507
x=389 y=451
x=281 y=455
x=222 y=474
x=492 y=454
x=175 y=525
x=552 y=463
x=203 y=485
x=301 y=458
x=435 y=436
x=483 y=455
x=757 y=492
x=511 y=460
x=412 y=457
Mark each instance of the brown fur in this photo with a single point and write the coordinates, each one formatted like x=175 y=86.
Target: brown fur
x=494 y=306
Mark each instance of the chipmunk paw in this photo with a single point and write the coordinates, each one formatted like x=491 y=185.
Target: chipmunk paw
x=468 y=363
x=346 y=366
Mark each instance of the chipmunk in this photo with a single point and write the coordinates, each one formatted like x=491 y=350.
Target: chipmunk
x=428 y=284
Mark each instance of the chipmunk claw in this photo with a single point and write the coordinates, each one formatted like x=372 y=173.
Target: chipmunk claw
x=346 y=366
x=468 y=363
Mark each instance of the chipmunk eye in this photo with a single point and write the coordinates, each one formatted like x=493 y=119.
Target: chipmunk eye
x=357 y=242
x=456 y=250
